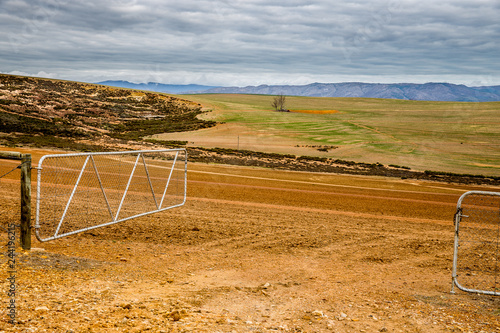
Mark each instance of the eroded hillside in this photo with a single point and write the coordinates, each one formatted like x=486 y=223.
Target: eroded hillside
x=47 y=112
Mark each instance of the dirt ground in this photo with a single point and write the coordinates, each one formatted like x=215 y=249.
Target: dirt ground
x=255 y=250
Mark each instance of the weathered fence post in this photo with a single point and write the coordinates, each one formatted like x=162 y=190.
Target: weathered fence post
x=25 y=238
x=25 y=167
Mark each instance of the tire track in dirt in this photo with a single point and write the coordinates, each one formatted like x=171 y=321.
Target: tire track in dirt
x=324 y=184
x=323 y=211
x=327 y=198
x=399 y=199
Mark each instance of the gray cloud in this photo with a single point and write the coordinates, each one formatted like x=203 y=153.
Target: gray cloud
x=245 y=42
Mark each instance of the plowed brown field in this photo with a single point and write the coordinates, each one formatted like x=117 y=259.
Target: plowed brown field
x=256 y=250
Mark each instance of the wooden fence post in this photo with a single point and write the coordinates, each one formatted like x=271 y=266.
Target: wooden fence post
x=25 y=238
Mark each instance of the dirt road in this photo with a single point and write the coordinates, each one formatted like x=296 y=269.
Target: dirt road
x=256 y=250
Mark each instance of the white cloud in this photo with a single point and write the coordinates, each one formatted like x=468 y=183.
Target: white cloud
x=247 y=42
x=39 y=74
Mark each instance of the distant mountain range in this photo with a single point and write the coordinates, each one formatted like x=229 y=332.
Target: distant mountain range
x=159 y=87
x=408 y=91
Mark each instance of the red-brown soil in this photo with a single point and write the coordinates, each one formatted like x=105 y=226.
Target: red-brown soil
x=256 y=250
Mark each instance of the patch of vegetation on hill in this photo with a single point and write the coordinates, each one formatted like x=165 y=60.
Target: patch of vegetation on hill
x=137 y=129
x=44 y=141
x=53 y=111
x=15 y=123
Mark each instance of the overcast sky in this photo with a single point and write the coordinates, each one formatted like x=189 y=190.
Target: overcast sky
x=252 y=42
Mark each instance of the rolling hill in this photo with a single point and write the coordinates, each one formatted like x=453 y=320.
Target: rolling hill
x=58 y=113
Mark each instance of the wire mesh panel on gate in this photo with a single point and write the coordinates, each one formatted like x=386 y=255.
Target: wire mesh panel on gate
x=477 y=240
x=79 y=192
x=9 y=192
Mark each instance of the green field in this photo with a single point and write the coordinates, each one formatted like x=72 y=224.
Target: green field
x=440 y=136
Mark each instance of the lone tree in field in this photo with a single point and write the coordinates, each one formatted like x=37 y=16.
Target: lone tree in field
x=279 y=103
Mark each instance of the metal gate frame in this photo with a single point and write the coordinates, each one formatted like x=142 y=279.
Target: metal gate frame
x=458 y=218
x=114 y=217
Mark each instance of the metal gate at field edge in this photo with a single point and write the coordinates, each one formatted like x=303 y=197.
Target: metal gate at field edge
x=476 y=257
x=85 y=191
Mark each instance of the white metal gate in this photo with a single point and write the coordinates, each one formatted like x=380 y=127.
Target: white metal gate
x=80 y=192
x=477 y=243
